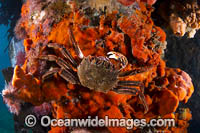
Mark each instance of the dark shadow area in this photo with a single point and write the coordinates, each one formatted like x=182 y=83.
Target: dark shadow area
x=9 y=14
x=183 y=53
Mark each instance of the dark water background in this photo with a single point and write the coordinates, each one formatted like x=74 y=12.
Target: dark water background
x=6 y=120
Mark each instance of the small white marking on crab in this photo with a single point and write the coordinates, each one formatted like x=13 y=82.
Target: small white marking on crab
x=81 y=54
x=112 y=55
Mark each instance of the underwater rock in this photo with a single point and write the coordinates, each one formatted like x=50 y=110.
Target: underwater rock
x=182 y=16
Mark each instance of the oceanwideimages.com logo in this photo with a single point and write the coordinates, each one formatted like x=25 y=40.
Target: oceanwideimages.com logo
x=46 y=121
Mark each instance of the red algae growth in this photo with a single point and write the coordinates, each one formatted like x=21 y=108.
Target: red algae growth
x=97 y=31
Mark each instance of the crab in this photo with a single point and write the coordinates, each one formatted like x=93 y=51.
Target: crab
x=94 y=72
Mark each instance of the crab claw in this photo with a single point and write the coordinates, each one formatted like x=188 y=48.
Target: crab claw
x=119 y=57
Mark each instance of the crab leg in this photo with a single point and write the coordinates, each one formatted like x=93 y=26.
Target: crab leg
x=76 y=47
x=64 y=52
x=66 y=71
x=131 y=72
x=133 y=91
x=132 y=83
x=50 y=73
x=134 y=72
x=65 y=74
x=58 y=60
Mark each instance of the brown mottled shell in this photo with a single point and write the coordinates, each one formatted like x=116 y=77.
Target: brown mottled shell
x=97 y=73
